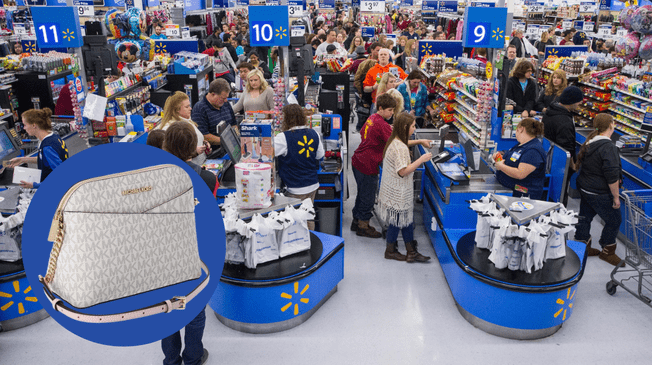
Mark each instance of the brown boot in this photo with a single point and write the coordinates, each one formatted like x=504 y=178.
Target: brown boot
x=365 y=230
x=590 y=251
x=608 y=254
x=354 y=225
x=412 y=253
x=391 y=252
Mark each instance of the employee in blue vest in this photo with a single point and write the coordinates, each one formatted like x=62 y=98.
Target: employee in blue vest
x=298 y=150
x=52 y=149
x=523 y=167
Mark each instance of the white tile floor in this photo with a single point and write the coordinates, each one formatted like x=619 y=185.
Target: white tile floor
x=385 y=312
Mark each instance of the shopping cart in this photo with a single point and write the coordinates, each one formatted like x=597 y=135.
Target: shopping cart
x=638 y=243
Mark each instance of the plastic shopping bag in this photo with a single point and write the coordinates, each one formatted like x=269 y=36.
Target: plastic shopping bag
x=236 y=235
x=515 y=245
x=296 y=236
x=261 y=245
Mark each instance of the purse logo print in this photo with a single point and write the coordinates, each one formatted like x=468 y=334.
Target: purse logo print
x=137 y=190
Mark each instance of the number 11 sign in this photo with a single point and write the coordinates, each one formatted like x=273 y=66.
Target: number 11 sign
x=485 y=27
x=269 y=26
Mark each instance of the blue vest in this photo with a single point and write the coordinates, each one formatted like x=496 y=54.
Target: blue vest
x=299 y=167
x=59 y=147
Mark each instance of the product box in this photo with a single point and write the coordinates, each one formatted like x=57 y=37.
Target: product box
x=257 y=145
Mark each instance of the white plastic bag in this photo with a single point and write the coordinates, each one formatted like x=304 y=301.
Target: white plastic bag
x=296 y=236
x=261 y=245
x=253 y=185
x=236 y=235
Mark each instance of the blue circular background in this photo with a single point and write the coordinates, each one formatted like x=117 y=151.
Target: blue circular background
x=109 y=159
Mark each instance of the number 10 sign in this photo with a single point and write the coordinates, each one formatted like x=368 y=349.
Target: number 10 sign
x=269 y=26
x=485 y=27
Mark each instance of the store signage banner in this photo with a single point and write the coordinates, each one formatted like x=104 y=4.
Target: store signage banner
x=272 y=2
x=57 y=27
x=368 y=32
x=220 y=4
x=605 y=4
x=355 y=3
x=477 y=4
x=407 y=2
x=648 y=115
x=450 y=48
x=448 y=6
x=173 y=46
x=578 y=24
x=564 y=51
x=295 y=3
x=428 y=5
x=269 y=26
x=129 y=4
x=327 y=4
x=485 y=27
x=193 y=5
x=242 y=2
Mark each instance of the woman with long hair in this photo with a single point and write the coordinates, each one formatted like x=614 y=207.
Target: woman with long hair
x=598 y=182
x=553 y=90
x=52 y=149
x=177 y=109
x=399 y=56
x=410 y=53
x=399 y=103
x=387 y=81
x=258 y=94
x=396 y=195
x=521 y=88
x=357 y=41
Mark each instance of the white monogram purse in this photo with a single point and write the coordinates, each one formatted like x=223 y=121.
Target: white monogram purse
x=120 y=235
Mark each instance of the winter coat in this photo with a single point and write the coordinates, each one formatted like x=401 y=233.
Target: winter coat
x=525 y=100
x=559 y=128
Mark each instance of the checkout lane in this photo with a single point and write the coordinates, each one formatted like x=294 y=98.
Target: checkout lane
x=514 y=305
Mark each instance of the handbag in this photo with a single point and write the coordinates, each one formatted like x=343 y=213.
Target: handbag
x=120 y=235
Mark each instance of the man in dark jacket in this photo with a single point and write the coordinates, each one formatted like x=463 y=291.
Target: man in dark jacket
x=229 y=47
x=213 y=37
x=558 y=125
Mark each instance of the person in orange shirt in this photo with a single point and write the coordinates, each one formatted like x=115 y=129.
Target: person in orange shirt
x=375 y=73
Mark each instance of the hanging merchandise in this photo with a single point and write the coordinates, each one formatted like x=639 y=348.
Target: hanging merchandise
x=128 y=29
x=642 y=20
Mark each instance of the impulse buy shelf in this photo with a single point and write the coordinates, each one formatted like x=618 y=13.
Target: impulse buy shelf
x=38 y=86
x=465 y=113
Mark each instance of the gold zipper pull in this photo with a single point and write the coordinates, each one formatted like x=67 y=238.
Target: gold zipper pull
x=57 y=222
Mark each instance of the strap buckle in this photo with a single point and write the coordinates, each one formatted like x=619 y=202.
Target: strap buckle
x=182 y=302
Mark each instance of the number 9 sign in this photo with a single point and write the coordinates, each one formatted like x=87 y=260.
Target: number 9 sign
x=484 y=27
x=479 y=34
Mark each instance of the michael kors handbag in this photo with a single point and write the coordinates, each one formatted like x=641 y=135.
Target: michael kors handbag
x=120 y=235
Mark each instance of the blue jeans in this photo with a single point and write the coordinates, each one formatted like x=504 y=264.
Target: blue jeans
x=364 y=201
x=194 y=348
x=601 y=204
x=407 y=232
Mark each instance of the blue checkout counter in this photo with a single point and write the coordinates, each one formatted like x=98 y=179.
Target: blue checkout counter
x=505 y=303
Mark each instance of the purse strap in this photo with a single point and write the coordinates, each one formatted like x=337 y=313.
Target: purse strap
x=167 y=306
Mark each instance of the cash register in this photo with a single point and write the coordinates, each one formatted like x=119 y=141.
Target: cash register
x=9 y=149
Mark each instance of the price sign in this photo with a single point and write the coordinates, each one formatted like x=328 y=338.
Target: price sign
x=535 y=8
x=427 y=5
x=588 y=26
x=647 y=118
x=327 y=4
x=520 y=26
x=269 y=26
x=478 y=4
x=407 y=2
x=372 y=6
x=567 y=24
x=368 y=32
x=621 y=32
x=185 y=32
x=172 y=30
x=533 y=29
x=295 y=10
x=272 y=2
x=86 y=10
x=298 y=31
x=19 y=29
x=588 y=7
x=448 y=6
x=578 y=24
x=605 y=4
x=604 y=30
x=57 y=27
x=485 y=27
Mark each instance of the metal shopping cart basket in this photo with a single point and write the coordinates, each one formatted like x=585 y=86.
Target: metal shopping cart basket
x=638 y=243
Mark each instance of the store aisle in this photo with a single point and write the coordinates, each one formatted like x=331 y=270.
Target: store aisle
x=385 y=312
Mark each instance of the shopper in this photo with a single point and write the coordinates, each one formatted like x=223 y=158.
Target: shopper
x=177 y=109
x=543 y=43
x=399 y=104
x=371 y=81
x=213 y=37
x=521 y=89
x=568 y=36
x=298 y=149
x=387 y=82
x=410 y=34
x=17 y=48
x=598 y=182
x=399 y=55
x=213 y=109
x=558 y=121
x=481 y=55
x=158 y=33
x=223 y=65
x=396 y=194
x=411 y=55
x=331 y=38
x=556 y=85
x=258 y=95
x=523 y=167
x=363 y=108
x=180 y=140
x=355 y=43
x=256 y=62
x=52 y=150
x=517 y=42
x=415 y=96
x=155 y=138
x=229 y=47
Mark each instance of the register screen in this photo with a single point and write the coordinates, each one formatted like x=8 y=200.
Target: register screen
x=6 y=147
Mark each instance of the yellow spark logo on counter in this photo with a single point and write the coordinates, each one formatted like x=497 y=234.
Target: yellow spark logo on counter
x=560 y=301
x=21 y=308
x=289 y=296
x=427 y=49
x=30 y=47
x=306 y=146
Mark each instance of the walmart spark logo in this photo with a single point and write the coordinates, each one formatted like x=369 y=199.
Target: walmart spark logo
x=280 y=32
x=68 y=35
x=161 y=48
x=562 y=302
x=498 y=34
x=306 y=146
x=21 y=308
x=30 y=46
x=427 y=49
x=289 y=296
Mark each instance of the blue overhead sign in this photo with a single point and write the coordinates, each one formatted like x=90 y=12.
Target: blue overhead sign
x=605 y=4
x=57 y=27
x=450 y=48
x=368 y=32
x=327 y=4
x=220 y=4
x=407 y=2
x=301 y=3
x=428 y=5
x=269 y=26
x=477 y=4
x=485 y=27
x=564 y=51
x=448 y=6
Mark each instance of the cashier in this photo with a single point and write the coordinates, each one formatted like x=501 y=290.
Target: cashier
x=522 y=168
